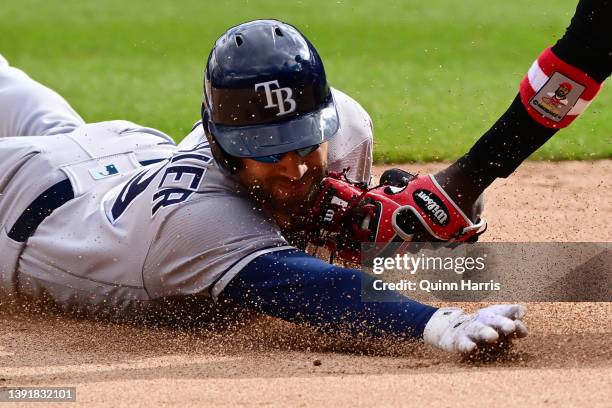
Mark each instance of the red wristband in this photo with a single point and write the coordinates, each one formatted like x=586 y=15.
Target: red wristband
x=555 y=92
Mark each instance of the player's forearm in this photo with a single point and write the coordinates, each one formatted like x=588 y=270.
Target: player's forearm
x=587 y=49
x=297 y=287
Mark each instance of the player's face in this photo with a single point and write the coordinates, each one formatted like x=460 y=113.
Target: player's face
x=562 y=92
x=284 y=187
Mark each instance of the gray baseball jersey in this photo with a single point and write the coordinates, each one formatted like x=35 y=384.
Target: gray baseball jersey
x=148 y=219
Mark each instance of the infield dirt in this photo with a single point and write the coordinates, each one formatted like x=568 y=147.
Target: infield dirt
x=566 y=360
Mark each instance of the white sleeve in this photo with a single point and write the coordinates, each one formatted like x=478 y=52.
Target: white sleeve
x=352 y=145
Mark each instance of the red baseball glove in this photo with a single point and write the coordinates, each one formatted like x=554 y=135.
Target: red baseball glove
x=403 y=207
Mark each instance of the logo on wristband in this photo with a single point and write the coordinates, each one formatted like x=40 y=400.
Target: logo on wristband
x=557 y=97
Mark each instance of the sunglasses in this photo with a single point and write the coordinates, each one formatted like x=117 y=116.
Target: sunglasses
x=275 y=158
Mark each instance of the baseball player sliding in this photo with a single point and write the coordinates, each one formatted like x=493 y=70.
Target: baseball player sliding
x=108 y=217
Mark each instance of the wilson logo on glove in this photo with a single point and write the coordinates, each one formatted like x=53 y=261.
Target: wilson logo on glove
x=432 y=206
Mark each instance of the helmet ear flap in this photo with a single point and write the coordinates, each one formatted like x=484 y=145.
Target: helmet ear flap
x=229 y=163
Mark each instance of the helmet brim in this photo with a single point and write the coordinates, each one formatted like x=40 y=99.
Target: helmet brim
x=278 y=137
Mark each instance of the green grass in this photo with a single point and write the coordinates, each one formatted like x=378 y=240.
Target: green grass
x=433 y=75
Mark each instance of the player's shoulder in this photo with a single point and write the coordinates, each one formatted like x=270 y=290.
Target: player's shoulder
x=355 y=124
x=343 y=98
x=348 y=107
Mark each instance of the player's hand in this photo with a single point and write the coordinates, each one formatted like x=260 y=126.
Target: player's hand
x=450 y=329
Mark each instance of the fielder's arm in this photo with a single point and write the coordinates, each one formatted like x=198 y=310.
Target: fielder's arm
x=558 y=87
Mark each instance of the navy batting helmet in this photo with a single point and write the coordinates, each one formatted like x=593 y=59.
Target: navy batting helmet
x=265 y=92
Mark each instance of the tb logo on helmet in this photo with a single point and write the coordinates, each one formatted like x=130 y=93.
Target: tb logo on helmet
x=277 y=93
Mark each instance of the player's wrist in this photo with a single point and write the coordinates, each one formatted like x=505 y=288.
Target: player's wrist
x=463 y=187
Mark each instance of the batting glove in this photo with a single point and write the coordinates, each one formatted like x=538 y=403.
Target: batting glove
x=450 y=329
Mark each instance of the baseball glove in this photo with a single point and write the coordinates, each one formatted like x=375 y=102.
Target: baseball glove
x=402 y=208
